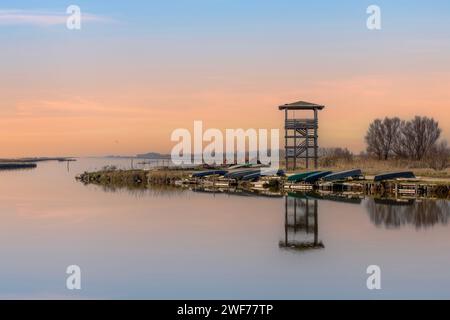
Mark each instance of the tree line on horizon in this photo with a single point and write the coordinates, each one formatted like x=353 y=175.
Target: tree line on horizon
x=417 y=139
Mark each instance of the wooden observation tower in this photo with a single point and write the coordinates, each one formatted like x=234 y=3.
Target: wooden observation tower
x=301 y=134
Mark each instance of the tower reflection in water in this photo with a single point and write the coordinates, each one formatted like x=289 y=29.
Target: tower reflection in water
x=301 y=223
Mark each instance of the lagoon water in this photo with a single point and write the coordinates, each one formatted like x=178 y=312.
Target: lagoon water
x=182 y=244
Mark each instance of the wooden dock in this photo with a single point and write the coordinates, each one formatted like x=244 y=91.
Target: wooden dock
x=412 y=187
x=393 y=188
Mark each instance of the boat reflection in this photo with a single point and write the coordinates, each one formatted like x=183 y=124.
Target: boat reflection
x=350 y=198
x=237 y=192
x=301 y=224
x=140 y=191
x=301 y=209
x=420 y=213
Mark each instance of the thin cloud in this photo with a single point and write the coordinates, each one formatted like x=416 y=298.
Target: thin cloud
x=15 y=17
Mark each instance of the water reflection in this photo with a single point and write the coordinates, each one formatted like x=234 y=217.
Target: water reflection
x=237 y=192
x=227 y=242
x=7 y=170
x=301 y=224
x=395 y=213
x=143 y=190
x=301 y=209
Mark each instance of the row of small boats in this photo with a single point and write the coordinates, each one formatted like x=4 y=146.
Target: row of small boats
x=245 y=172
x=254 y=173
x=328 y=176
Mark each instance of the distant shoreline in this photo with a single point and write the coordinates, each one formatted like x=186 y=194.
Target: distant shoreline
x=36 y=159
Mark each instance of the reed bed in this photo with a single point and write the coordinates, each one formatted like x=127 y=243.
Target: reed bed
x=372 y=167
x=166 y=176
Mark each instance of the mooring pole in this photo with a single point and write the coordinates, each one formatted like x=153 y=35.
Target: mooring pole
x=307 y=216
x=286 y=219
x=286 y=138
x=295 y=214
x=316 y=223
x=316 y=126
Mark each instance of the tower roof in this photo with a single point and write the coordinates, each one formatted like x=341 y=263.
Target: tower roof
x=301 y=105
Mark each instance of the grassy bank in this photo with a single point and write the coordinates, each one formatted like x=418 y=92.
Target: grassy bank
x=136 y=178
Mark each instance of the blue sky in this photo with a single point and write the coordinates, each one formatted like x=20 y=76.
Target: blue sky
x=188 y=59
x=229 y=14
x=283 y=21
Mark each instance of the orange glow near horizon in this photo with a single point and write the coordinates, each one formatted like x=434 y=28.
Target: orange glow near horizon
x=142 y=121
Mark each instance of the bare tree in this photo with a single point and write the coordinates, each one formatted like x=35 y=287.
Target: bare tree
x=401 y=148
x=374 y=139
x=391 y=128
x=382 y=136
x=413 y=139
x=419 y=137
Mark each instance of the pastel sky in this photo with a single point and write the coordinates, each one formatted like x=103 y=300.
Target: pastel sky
x=137 y=70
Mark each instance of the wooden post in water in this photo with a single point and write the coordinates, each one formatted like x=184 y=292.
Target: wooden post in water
x=316 y=223
x=286 y=138
x=286 y=219
x=295 y=214
x=316 y=138
x=307 y=216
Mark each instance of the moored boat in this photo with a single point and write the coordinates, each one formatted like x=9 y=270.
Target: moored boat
x=256 y=175
x=343 y=175
x=394 y=175
x=252 y=176
x=209 y=173
x=317 y=176
x=240 y=173
x=298 y=177
x=239 y=166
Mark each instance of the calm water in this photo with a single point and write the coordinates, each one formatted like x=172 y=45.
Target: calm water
x=184 y=244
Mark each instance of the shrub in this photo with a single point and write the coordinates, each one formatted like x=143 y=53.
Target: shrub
x=439 y=156
x=331 y=156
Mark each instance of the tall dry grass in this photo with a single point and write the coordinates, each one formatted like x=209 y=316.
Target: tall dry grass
x=371 y=166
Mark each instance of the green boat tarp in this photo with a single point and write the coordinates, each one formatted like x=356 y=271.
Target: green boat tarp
x=317 y=176
x=301 y=176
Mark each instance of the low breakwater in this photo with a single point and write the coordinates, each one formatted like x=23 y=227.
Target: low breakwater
x=178 y=177
x=134 y=177
x=16 y=165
